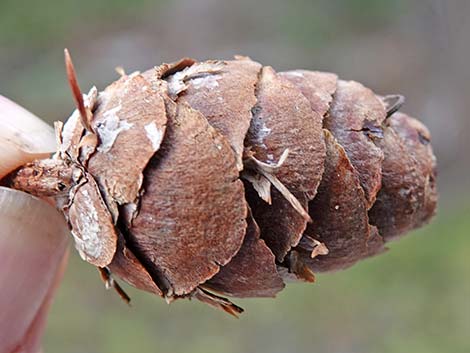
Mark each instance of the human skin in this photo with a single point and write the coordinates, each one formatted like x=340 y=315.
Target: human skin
x=33 y=236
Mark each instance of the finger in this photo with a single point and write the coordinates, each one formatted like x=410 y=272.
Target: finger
x=22 y=136
x=33 y=239
x=31 y=342
x=33 y=235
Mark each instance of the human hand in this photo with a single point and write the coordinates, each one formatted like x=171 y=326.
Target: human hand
x=33 y=236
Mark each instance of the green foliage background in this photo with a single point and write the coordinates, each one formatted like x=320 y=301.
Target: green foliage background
x=414 y=298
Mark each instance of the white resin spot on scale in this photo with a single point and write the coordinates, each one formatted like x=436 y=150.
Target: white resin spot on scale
x=154 y=135
x=209 y=81
x=296 y=73
x=109 y=129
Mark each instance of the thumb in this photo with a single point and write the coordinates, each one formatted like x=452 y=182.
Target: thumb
x=22 y=136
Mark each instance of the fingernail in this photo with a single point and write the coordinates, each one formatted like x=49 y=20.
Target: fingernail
x=22 y=135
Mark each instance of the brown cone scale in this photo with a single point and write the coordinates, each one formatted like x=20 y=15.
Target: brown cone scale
x=252 y=272
x=225 y=97
x=126 y=266
x=339 y=213
x=394 y=210
x=355 y=120
x=270 y=134
x=196 y=179
x=155 y=174
x=128 y=110
x=417 y=139
x=408 y=196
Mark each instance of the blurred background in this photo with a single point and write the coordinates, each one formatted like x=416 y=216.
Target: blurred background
x=414 y=298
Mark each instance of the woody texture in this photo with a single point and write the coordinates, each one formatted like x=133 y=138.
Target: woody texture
x=226 y=178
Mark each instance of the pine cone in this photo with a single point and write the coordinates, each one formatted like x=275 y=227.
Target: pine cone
x=195 y=178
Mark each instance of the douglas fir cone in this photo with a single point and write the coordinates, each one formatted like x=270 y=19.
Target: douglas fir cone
x=226 y=177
